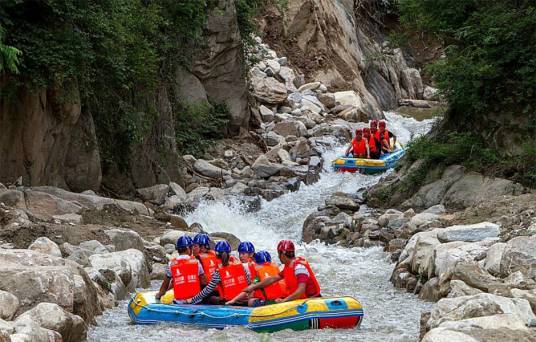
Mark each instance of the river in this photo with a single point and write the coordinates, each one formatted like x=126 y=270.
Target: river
x=390 y=314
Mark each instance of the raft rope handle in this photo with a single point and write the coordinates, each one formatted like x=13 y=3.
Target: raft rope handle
x=232 y=315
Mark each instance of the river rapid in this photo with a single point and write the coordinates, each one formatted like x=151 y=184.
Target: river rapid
x=363 y=273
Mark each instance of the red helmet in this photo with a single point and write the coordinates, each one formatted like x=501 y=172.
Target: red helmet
x=358 y=131
x=382 y=124
x=374 y=123
x=366 y=130
x=285 y=246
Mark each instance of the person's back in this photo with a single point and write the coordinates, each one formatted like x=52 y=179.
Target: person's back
x=265 y=269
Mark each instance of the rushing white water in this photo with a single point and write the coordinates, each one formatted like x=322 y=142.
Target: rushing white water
x=390 y=314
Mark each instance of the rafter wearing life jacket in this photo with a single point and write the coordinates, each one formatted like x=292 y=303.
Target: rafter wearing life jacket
x=274 y=291
x=185 y=274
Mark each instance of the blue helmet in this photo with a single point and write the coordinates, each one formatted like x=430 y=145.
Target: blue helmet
x=222 y=246
x=246 y=247
x=184 y=241
x=262 y=257
x=202 y=239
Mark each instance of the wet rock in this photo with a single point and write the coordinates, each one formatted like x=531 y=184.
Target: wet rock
x=124 y=239
x=9 y=305
x=343 y=202
x=155 y=194
x=51 y=316
x=129 y=265
x=232 y=239
x=492 y=263
x=208 y=170
x=469 y=233
x=520 y=255
x=46 y=246
x=458 y=289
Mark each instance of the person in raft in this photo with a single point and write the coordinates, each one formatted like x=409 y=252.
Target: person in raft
x=374 y=144
x=207 y=257
x=298 y=275
x=229 y=279
x=264 y=268
x=359 y=146
x=246 y=253
x=384 y=136
x=184 y=272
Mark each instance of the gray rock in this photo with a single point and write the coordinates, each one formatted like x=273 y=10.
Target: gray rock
x=286 y=128
x=155 y=194
x=177 y=190
x=267 y=114
x=232 y=239
x=268 y=90
x=12 y=198
x=46 y=246
x=492 y=263
x=274 y=65
x=129 y=265
x=309 y=86
x=208 y=170
x=124 y=239
x=469 y=233
x=51 y=316
x=520 y=255
x=342 y=202
x=264 y=168
x=458 y=289
x=9 y=305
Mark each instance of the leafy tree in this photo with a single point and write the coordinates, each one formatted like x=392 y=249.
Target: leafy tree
x=9 y=56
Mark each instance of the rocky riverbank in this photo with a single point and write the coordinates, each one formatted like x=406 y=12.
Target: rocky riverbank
x=464 y=241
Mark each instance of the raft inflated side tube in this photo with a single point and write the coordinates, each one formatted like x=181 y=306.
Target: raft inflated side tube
x=386 y=162
x=313 y=313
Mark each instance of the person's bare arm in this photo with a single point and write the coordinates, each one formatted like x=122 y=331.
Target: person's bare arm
x=296 y=295
x=163 y=288
x=260 y=285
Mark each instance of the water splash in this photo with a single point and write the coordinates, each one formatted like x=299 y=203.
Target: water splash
x=390 y=314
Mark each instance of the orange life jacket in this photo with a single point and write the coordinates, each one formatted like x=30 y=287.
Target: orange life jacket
x=274 y=291
x=185 y=274
x=233 y=281
x=359 y=148
x=210 y=263
x=292 y=281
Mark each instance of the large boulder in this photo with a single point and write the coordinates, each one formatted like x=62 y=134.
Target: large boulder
x=458 y=288
x=9 y=305
x=418 y=254
x=264 y=168
x=492 y=263
x=124 y=239
x=286 y=128
x=155 y=194
x=268 y=90
x=46 y=246
x=29 y=331
x=232 y=239
x=474 y=276
x=343 y=202
x=51 y=316
x=520 y=255
x=208 y=170
x=129 y=265
x=483 y=304
x=474 y=188
x=47 y=205
x=35 y=278
x=447 y=255
x=469 y=233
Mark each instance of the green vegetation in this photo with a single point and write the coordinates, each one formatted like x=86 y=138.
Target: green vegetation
x=490 y=64
x=471 y=151
x=9 y=56
x=198 y=125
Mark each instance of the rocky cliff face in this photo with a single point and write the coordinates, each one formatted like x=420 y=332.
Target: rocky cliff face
x=48 y=137
x=328 y=41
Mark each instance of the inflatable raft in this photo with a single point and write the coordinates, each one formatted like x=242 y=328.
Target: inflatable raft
x=314 y=313
x=369 y=166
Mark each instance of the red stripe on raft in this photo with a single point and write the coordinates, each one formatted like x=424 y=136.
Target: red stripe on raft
x=344 y=169
x=339 y=323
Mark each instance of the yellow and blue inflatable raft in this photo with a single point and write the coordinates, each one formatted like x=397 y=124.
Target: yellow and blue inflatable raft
x=369 y=166
x=313 y=313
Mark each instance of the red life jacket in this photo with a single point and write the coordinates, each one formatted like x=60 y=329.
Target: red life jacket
x=359 y=148
x=233 y=281
x=372 y=144
x=185 y=274
x=274 y=291
x=292 y=280
x=210 y=263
